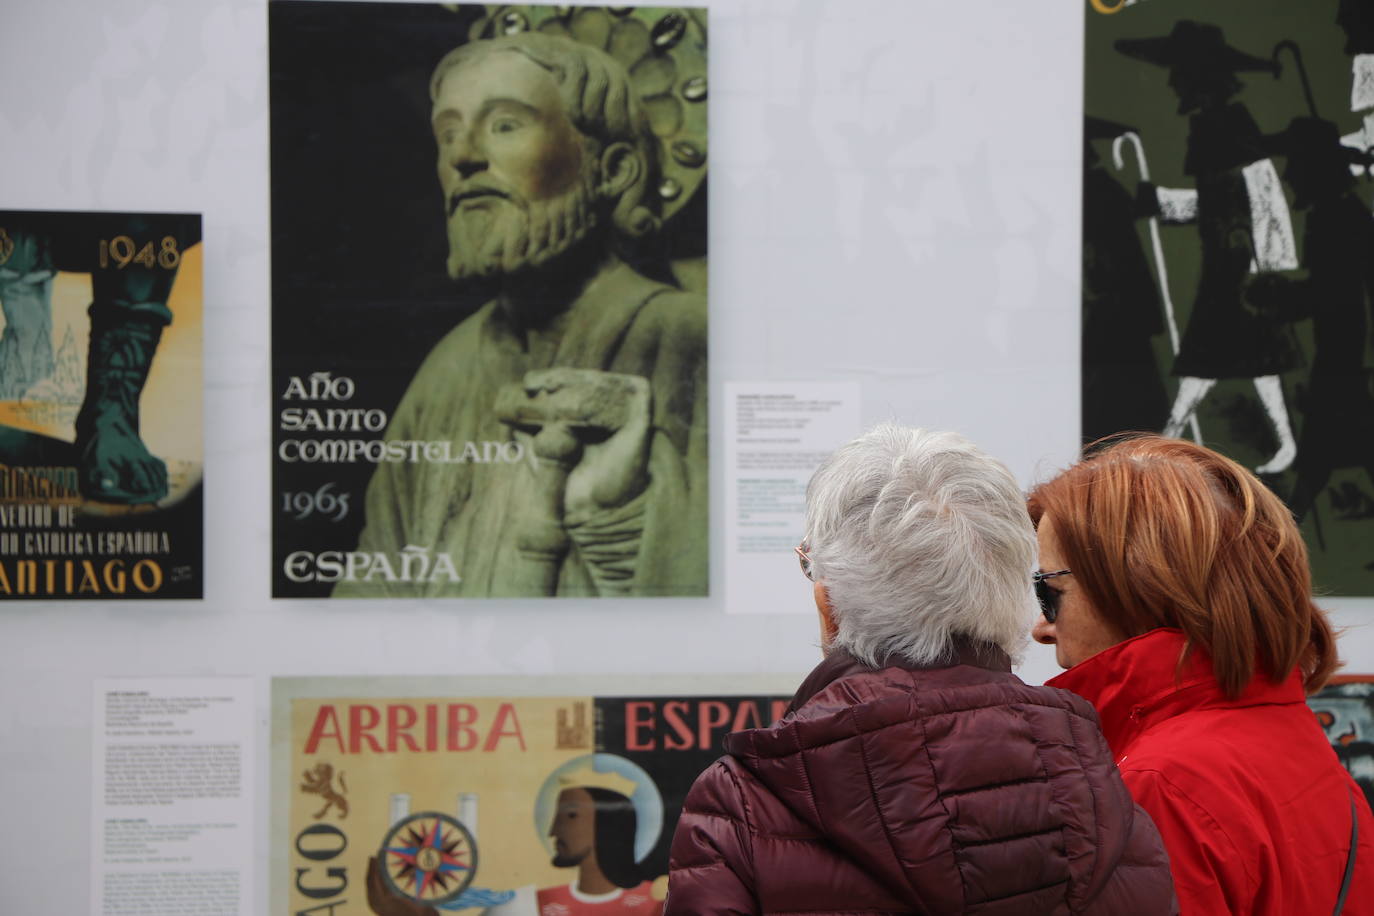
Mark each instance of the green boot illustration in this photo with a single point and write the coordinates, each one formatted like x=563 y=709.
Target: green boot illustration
x=115 y=465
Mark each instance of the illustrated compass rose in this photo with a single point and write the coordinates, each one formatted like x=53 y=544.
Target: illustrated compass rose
x=429 y=857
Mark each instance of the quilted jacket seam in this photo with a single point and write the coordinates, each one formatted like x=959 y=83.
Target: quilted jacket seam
x=974 y=844
x=749 y=831
x=1099 y=842
x=806 y=782
x=993 y=786
x=1053 y=787
x=717 y=816
x=873 y=794
x=1025 y=893
x=920 y=722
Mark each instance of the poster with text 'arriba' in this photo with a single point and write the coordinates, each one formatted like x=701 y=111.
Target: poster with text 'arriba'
x=419 y=796
x=488 y=300
x=100 y=405
x=1228 y=240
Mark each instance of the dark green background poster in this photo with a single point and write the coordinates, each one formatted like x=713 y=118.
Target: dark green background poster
x=1227 y=247
x=488 y=300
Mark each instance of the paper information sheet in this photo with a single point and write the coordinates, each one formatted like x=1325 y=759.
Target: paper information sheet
x=172 y=797
x=776 y=435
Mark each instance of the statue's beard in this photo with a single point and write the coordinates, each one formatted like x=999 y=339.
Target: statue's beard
x=503 y=235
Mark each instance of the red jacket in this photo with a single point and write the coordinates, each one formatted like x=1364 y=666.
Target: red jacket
x=933 y=791
x=1253 y=806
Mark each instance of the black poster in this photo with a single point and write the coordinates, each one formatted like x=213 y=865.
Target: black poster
x=489 y=313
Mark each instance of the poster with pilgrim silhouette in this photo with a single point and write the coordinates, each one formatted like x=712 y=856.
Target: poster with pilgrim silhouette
x=1228 y=247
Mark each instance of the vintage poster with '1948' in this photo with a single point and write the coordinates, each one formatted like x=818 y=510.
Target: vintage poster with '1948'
x=488 y=300
x=100 y=405
x=411 y=797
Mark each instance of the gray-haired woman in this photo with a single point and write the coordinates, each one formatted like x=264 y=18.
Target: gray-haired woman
x=914 y=772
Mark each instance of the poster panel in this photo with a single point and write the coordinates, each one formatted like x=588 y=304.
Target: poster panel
x=101 y=451
x=394 y=795
x=1227 y=234
x=489 y=312
x=1345 y=710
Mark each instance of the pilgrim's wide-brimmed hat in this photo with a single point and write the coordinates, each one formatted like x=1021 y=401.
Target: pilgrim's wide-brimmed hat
x=1193 y=45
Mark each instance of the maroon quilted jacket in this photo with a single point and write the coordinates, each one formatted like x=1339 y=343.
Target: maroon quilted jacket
x=938 y=790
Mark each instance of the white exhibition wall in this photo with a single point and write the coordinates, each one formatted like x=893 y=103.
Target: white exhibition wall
x=894 y=201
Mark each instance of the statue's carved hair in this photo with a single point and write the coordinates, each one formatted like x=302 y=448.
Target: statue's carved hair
x=599 y=100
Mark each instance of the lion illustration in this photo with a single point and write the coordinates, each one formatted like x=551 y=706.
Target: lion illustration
x=320 y=781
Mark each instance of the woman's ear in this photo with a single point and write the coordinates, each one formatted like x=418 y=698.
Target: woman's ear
x=826 y=613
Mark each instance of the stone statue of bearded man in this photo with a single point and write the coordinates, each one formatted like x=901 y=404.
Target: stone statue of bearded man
x=593 y=374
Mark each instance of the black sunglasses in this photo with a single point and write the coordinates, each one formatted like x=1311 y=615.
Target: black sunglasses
x=1048 y=597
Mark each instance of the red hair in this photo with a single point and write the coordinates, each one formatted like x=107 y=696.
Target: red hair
x=1164 y=533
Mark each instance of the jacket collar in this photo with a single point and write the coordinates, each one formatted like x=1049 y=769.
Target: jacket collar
x=839 y=664
x=1137 y=683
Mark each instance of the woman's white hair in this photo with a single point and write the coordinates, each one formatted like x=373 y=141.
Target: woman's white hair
x=919 y=537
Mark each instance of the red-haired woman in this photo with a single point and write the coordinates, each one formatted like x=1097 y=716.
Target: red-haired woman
x=1174 y=587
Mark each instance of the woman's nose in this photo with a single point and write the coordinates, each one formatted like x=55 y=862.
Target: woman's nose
x=1043 y=631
